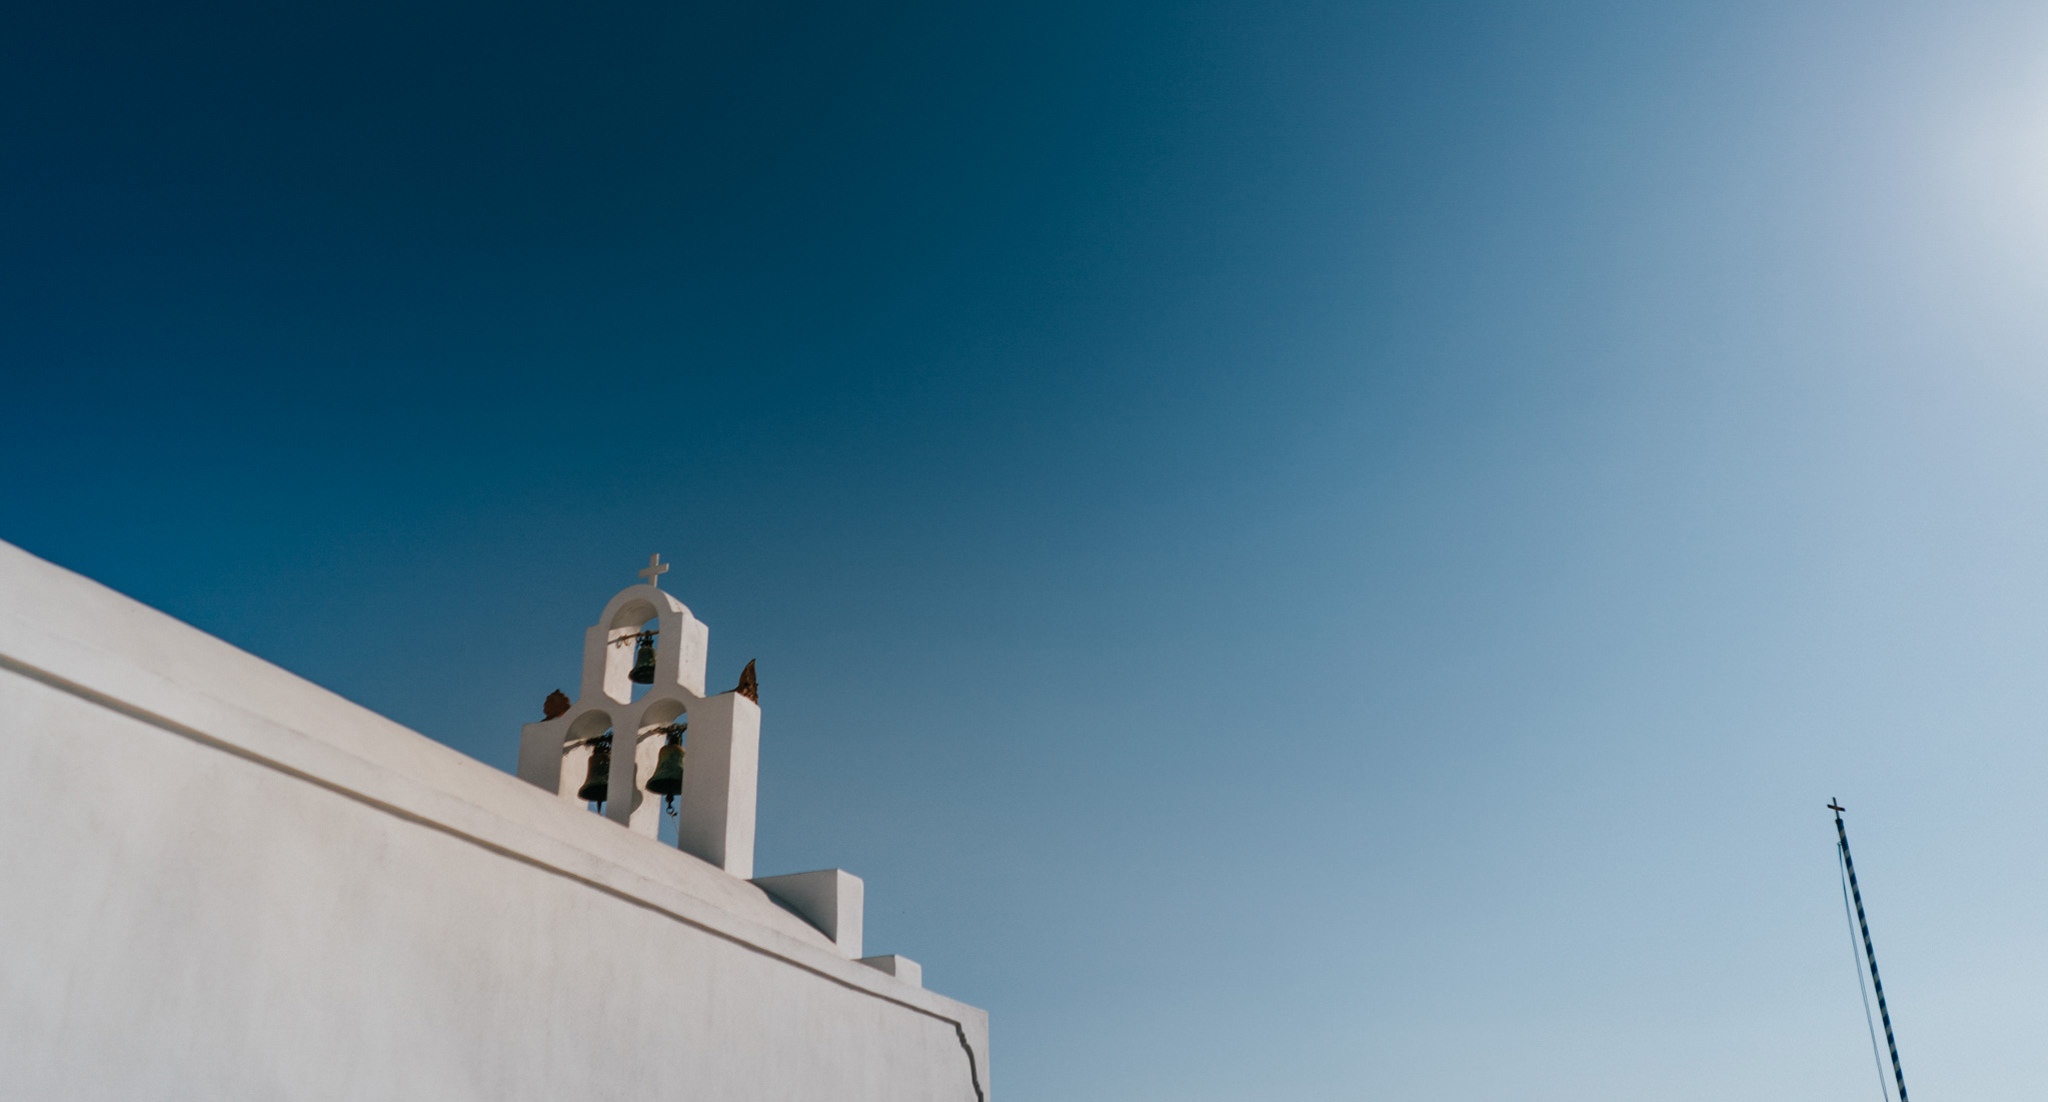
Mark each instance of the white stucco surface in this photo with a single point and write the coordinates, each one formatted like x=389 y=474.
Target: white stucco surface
x=832 y=900
x=903 y=968
x=223 y=882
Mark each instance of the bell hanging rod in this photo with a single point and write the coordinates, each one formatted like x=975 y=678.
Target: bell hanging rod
x=663 y=729
x=636 y=636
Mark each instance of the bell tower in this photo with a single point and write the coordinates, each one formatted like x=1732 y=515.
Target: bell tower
x=645 y=636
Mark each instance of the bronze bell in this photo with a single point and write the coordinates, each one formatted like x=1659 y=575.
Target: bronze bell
x=643 y=661
x=598 y=779
x=667 y=781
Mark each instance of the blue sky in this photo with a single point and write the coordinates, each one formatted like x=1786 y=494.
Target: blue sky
x=1303 y=550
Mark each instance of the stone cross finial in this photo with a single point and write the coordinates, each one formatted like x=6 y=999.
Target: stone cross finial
x=655 y=569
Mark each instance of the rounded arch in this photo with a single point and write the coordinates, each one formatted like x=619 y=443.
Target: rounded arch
x=578 y=744
x=590 y=724
x=635 y=605
x=629 y=615
x=661 y=711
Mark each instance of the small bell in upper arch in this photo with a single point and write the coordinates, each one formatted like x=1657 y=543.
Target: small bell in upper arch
x=643 y=661
x=597 y=781
x=667 y=781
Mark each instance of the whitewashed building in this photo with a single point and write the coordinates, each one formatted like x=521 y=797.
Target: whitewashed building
x=224 y=882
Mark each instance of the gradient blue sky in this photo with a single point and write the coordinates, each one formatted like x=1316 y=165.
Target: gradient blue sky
x=1303 y=550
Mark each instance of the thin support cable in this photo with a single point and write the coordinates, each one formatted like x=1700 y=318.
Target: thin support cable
x=1862 y=988
x=1870 y=953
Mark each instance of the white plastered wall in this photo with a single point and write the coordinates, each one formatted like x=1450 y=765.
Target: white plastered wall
x=225 y=882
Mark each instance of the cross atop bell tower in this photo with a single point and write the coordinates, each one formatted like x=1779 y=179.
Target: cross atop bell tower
x=655 y=569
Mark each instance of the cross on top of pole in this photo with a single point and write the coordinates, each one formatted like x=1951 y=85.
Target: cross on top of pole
x=655 y=569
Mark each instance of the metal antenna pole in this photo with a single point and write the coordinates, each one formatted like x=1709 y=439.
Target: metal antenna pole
x=1869 y=950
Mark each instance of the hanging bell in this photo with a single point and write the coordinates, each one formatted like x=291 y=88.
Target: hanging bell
x=667 y=781
x=643 y=661
x=598 y=779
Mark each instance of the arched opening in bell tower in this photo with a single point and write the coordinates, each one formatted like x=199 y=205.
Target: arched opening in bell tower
x=664 y=730
x=646 y=646
x=633 y=651
x=586 y=760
